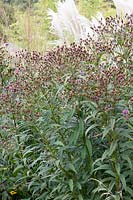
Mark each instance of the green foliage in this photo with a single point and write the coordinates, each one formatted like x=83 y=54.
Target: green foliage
x=7 y=17
x=23 y=4
x=7 y=14
x=67 y=119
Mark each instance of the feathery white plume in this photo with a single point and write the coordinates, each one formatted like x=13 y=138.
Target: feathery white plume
x=68 y=25
x=96 y=20
x=124 y=6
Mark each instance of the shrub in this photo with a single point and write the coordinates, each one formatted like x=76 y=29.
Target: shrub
x=67 y=119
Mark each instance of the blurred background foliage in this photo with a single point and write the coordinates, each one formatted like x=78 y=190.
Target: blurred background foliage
x=25 y=22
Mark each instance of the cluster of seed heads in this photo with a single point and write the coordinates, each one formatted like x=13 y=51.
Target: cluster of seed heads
x=98 y=69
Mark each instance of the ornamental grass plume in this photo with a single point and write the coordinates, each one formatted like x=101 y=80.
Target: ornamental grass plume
x=68 y=25
x=124 y=6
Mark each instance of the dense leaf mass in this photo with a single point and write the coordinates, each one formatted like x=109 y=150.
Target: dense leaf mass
x=67 y=118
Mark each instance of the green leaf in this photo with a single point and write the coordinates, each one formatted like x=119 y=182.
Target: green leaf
x=126 y=133
x=126 y=157
x=5 y=195
x=26 y=199
x=62 y=197
x=90 y=128
x=112 y=148
x=123 y=181
x=78 y=131
x=111 y=185
x=110 y=173
x=89 y=146
x=112 y=123
x=28 y=152
x=74 y=137
x=109 y=128
x=78 y=185
x=69 y=115
x=71 y=167
x=57 y=162
x=80 y=197
x=105 y=154
x=129 y=190
x=105 y=167
x=128 y=145
x=116 y=197
x=59 y=143
x=70 y=182
x=105 y=132
x=17 y=169
x=35 y=161
x=42 y=196
x=118 y=168
x=81 y=127
x=83 y=153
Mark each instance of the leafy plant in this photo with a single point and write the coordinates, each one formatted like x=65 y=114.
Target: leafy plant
x=67 y=119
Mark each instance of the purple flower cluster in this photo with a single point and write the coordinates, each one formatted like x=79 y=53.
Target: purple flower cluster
x=125 y=112
x=94 y=69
